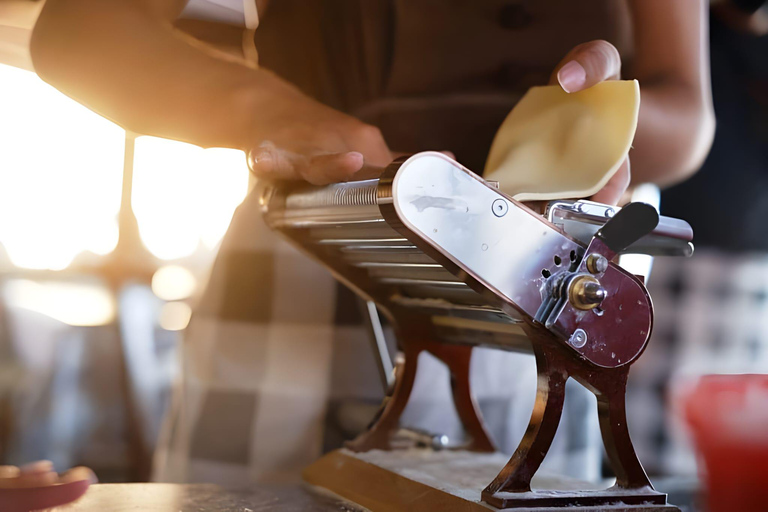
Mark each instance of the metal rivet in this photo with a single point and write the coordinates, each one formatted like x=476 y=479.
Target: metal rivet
x=578 y=338
x=500 y=208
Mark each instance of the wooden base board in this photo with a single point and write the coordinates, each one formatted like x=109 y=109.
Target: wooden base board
x=450 y=481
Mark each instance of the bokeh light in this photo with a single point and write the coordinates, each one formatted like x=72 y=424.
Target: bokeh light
x=173 y=282
x=174 y=316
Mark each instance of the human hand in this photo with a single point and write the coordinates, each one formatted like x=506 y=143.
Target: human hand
x=298 y=138
x=37 y=486
x=584 y=66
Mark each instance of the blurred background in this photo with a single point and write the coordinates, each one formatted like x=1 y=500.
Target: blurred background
x=106 y=237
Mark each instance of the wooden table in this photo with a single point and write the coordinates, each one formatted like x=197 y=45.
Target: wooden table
x=204 y=498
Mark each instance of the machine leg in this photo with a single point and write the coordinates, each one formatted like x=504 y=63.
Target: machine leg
x=550 y=397
x=611 y=410
x=458 y=359
x=378 y=435
x=512 y=487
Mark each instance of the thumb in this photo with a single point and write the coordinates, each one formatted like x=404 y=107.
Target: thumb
x=613 y=190
x=587 y=65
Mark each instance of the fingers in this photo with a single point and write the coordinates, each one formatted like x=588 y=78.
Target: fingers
x=36 y=486
x=587 y=65
x=9 y=472
x=35 y=474
x=333 y=168
x=38 y=479
x=368 y=140
x=368 y=172
x=270 y=162
x=41 y=474
x=80 y=473
x=613 y=190
x=320 y=152
x=40 y=466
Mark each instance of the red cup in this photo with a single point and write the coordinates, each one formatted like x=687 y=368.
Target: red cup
x=728 y=415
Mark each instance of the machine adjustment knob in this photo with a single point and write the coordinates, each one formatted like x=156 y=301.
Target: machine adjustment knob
x=586 y=292
x=629 y=225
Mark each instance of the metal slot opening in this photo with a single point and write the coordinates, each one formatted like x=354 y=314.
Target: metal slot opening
x=431 y=272
x=384 y=254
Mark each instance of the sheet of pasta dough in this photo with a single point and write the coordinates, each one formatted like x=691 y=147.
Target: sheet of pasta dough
x=556 y=145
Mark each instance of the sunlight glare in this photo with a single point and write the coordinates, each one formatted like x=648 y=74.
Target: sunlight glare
x=184 y=195
x=60 y=175
x=71 y=303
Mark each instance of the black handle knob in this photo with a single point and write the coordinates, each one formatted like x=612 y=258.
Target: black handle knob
x=629 y=225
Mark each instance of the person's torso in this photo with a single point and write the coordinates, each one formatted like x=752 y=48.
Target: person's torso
x=432 y=74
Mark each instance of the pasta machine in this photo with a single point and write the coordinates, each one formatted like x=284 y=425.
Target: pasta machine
x=454 y=263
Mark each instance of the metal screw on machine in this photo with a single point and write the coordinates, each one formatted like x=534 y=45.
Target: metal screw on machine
x=585 y=292
x=422 y=438
x=500 y=207
x=440 y=442
x=597 y=263
x=579 y=338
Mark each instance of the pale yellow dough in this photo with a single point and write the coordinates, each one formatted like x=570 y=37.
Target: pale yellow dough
x=555 y=145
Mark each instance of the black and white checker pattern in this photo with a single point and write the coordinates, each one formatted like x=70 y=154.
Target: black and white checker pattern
x=711 y=317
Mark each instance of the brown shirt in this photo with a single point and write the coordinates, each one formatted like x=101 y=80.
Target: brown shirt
x=432 y=74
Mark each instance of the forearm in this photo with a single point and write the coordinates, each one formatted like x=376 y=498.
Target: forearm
x=674 y=134
x=125 y=61
x=676 y=124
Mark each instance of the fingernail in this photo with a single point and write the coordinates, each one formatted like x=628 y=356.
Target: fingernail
x=78 y=474
x=358 y=158
x=259 y=156
x=258 y=161
x=9 y=472
x=572 y=76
